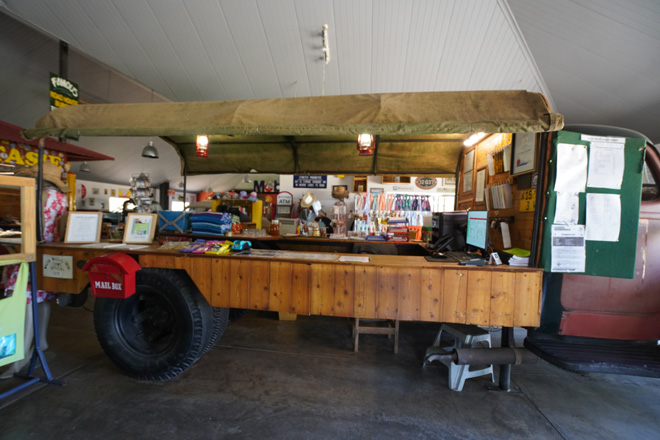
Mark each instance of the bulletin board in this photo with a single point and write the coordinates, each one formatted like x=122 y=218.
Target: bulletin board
x=603 y=258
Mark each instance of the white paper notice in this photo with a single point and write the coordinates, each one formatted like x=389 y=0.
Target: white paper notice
x=481 y=182
x=491 y=165
x=603 y=217
x=606 y=164
x=568 y=208
x=506 y=157
x=571 y=168
x=568 y=250
x=506 y=235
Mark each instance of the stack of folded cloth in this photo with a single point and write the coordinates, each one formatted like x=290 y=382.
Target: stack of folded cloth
x=210 y=223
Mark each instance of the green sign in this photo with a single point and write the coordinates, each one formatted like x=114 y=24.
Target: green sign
x=63 y=92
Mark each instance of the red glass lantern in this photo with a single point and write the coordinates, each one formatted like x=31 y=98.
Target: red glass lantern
x=366 y=144
x=202 y=145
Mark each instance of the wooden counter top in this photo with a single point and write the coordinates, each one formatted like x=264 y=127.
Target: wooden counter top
x=375 y=260
x=387 y=287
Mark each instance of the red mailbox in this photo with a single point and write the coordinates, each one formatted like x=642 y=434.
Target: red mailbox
x=112 y=275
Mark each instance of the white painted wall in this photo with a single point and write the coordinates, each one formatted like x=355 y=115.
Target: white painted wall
x=443 y=193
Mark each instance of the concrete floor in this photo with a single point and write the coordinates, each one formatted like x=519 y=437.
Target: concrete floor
x=301 y=380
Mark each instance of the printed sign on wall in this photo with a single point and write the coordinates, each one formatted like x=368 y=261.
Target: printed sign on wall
x=310 y=181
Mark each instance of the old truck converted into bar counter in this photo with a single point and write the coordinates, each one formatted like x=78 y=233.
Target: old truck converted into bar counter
x=180 y=306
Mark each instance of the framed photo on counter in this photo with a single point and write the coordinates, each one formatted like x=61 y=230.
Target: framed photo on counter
x=83 y=227
x=140 y=228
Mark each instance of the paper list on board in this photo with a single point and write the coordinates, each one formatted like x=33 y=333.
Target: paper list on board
x=603 y=217
x=506 y=235
x=567 y=209
x=571 y=168
x=606 y=165
x=568 y=249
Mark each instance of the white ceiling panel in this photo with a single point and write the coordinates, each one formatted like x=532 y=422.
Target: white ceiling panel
x=285 y=45
x=429 y=28
x=311 y=17
x=599 y=58
x=391 y=32
x=595 y=60
x=215 y=36
x=354 y=31
x=247 y=32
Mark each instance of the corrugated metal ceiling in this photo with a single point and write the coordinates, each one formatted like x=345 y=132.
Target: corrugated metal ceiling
x=597 y=57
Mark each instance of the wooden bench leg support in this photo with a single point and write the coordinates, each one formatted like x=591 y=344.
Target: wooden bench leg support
x=391 y=329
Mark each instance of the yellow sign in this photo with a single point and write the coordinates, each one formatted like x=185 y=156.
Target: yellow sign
x=527 y=200
x=25 y=155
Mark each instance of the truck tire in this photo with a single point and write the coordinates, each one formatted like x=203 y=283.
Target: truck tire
x=220 y=320
x=160 y=330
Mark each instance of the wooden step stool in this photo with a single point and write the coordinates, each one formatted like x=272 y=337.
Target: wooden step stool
x=390 y=329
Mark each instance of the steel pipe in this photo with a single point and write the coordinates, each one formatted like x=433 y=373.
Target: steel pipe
x=485 y=356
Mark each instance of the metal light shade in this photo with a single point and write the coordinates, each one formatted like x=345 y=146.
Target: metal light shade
x=150 y=151
x=85 y=167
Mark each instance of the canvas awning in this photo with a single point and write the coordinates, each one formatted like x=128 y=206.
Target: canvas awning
x=417 y=133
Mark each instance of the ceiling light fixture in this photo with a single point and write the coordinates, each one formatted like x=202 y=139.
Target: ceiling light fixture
x=476 y=137
x=326 y=46
x=85 y=167
x=149 y=151
x=202 y=145
x=366 y=144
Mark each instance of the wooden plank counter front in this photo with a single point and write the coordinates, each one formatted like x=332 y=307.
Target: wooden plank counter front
x=392 y=287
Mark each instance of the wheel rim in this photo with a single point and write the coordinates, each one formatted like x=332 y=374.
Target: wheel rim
x=147 y=322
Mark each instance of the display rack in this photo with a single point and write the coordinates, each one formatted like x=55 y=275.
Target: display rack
x=26 y=190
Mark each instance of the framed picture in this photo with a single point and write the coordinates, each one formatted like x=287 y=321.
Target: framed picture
x=140 y=228
x=360 y=184
x=395 y=179
x=481 y=185
x=83 y=227
x=523 y=156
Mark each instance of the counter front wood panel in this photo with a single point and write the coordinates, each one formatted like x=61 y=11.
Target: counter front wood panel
x=388 y=287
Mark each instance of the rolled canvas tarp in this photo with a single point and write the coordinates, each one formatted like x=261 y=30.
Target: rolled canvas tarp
x=274 y=135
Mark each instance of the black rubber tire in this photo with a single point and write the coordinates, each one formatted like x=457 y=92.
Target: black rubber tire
x=220 y=321
x=160 y=330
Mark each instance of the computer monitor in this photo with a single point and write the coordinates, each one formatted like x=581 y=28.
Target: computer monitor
x=450 y=223
x=477 y=229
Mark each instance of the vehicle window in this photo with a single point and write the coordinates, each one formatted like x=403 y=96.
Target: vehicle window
x=650 y=190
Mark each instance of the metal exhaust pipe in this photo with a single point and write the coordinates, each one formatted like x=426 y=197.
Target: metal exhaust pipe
x=484 y=356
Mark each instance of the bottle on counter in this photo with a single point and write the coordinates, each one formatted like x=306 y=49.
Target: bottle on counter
x=275 y=228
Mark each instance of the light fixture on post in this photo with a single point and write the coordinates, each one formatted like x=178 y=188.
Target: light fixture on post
x=149 y=151
x=84 y=167
x=476 y=137
x=202 y=145
x=366 y=144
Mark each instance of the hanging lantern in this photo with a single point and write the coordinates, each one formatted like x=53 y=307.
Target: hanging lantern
x=366 y=144
x=202 y=145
